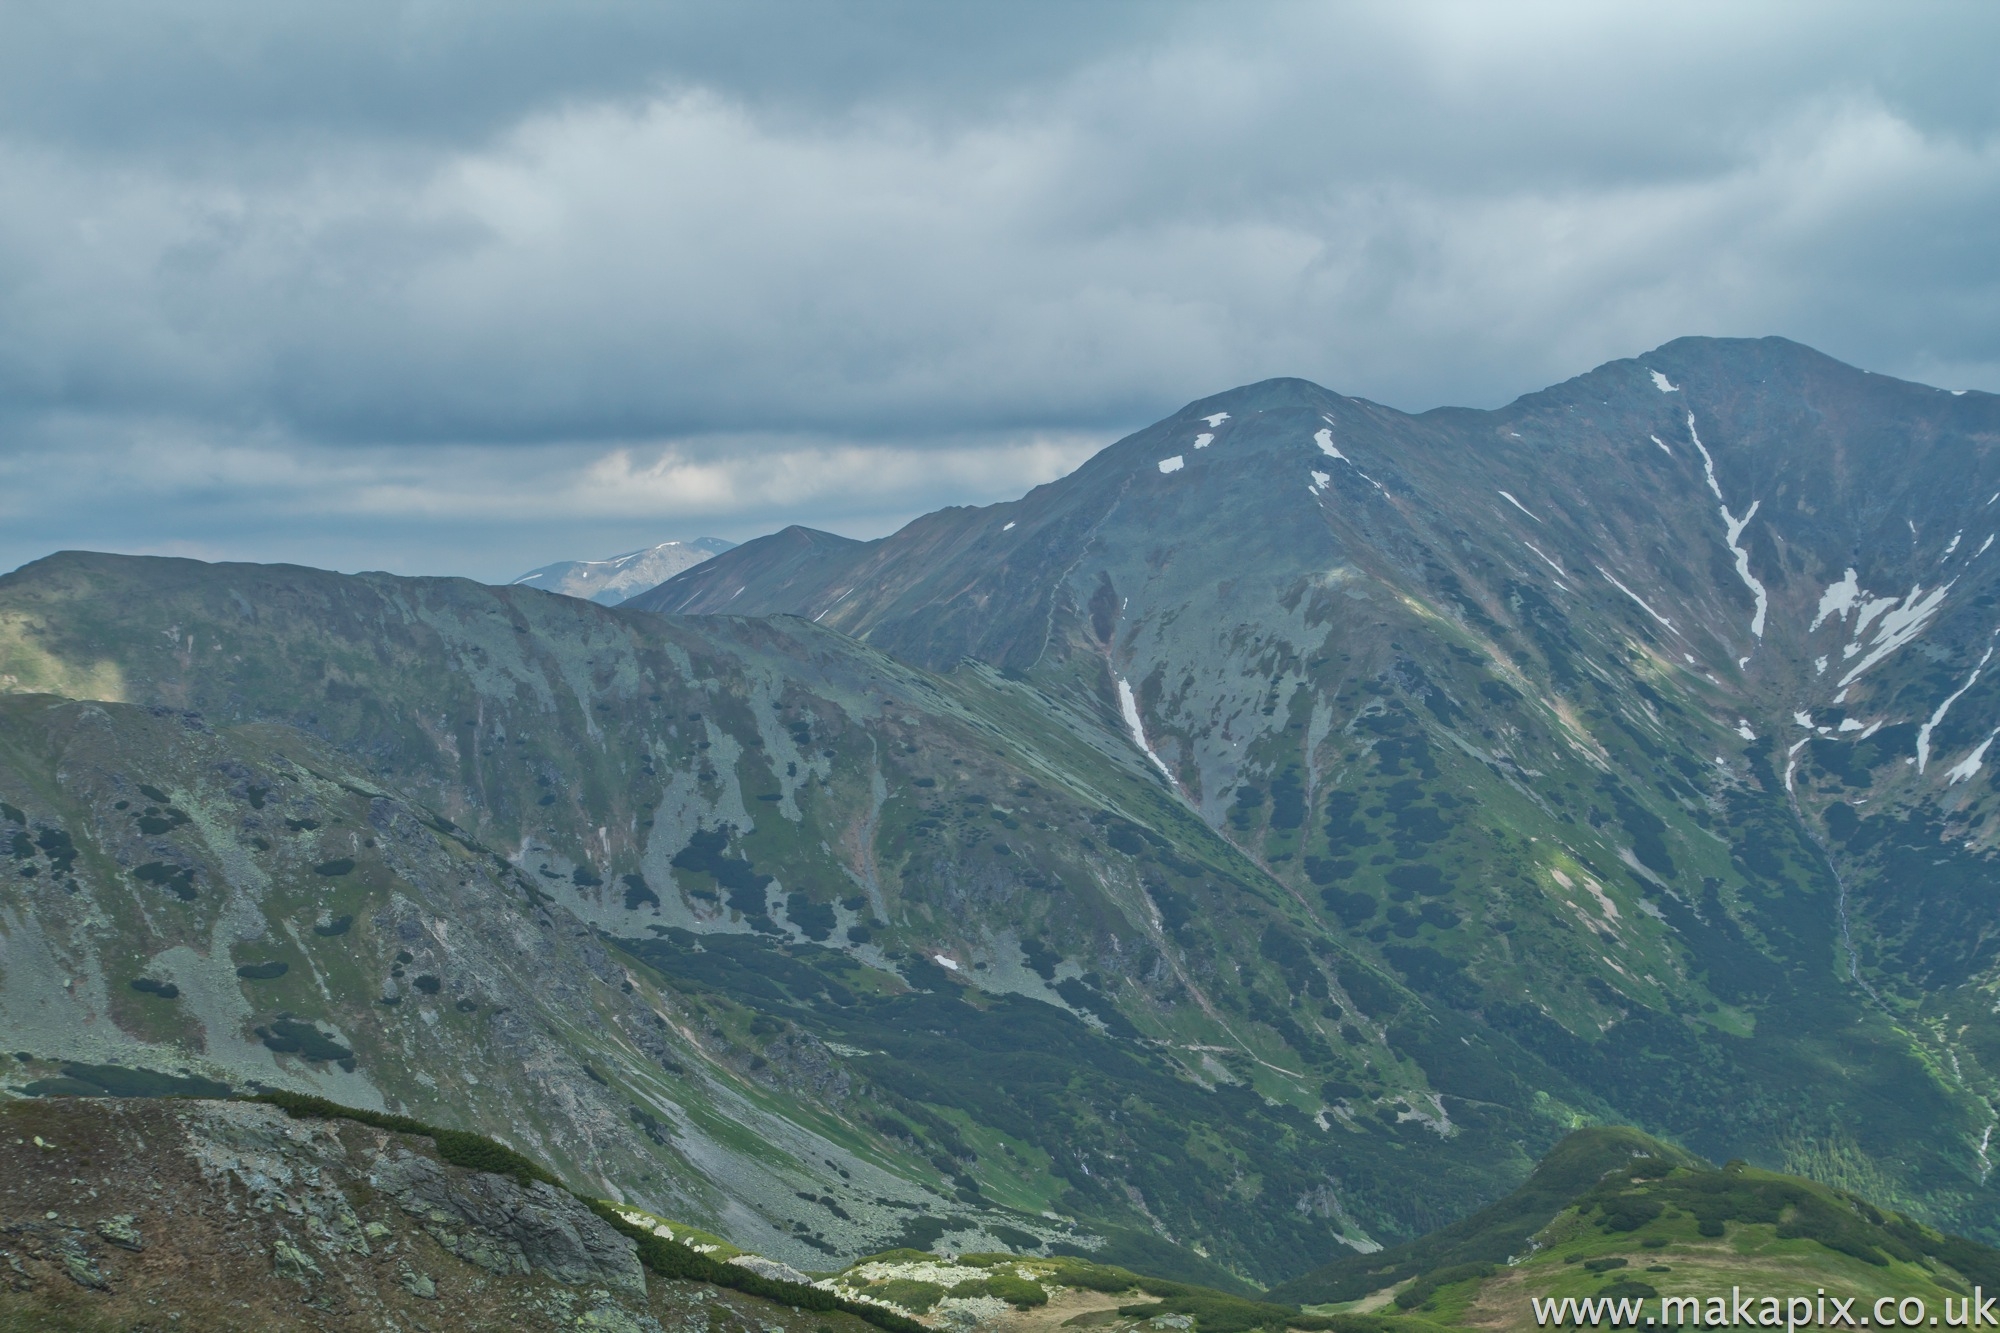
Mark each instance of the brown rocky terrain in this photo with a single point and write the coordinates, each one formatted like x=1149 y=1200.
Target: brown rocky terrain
x=156 y=1214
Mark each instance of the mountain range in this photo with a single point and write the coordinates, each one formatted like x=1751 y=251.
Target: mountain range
x=609 y=582
x=1259 y=846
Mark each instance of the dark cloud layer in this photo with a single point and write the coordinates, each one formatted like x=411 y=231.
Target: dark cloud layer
x=468 y=287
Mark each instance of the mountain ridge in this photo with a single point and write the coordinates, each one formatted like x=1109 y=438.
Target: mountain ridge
x=1279 y=851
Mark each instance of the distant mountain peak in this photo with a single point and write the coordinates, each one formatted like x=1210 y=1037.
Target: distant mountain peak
x=611 y=581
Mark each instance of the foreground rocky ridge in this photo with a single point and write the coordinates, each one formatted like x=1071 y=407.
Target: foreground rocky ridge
x=227 y=1215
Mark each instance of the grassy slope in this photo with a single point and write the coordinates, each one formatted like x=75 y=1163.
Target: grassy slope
x=1611 y=1212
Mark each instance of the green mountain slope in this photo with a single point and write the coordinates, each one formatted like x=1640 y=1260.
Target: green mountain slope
x=396 y=842
x=1659 y=1226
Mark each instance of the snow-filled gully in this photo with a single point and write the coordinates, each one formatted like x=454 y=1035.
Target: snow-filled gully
x=1128 y=705
x=1924 y=733
x=1735 y=526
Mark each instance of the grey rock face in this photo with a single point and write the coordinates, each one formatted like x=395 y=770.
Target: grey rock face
x=490 y=1221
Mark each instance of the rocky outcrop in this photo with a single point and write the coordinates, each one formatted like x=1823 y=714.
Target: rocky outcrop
x=490 y=1221
x=232 y=1216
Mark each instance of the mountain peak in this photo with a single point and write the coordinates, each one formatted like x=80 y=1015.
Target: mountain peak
x=617 y=578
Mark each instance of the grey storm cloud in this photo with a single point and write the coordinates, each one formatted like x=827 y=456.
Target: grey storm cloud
x=466 y=287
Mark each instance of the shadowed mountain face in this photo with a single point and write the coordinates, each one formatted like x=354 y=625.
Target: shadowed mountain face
x=1269 y=839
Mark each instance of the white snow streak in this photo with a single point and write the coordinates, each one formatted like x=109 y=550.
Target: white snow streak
x=1551 y=564
x=1174 y=464
x=1982 y=547
x=1924 y=732
x=1518 y=505
x=1216 y=420
x=1203 y=440
x=1735 y=527
x=1128 y=704
x=1008 y=528
x=1963 y=770
x=1637 y=598
x=1954 y=542
x=1662 y=443
x=1661 y=383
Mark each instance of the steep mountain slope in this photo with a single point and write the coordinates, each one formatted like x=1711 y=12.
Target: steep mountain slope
x=1641 y=723
x=611 y=581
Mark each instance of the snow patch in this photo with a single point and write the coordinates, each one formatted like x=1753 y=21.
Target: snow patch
x=1819 y=666
x=1662 y=443
x=1661 y=383
x=1216 y=420
x=1804 y=719
x=1203 y=440
x=1963 y=770
x=1954 y=542
x=1321 y=480
x=1899 y=625
x=1637 y=598
x=1743 y=729
x=1128 y=705
x=1838 y=599
x=1982 y=547
x=1007 y=528
x=948 y=964
x=1174 y=464
x=1518 y=505
x=1324 y=439
x=1849 y=724
x=1924 y=732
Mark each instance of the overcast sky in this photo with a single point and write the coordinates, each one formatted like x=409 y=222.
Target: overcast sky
x=468 y=287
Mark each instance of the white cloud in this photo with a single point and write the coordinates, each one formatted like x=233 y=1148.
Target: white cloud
x=701 y=289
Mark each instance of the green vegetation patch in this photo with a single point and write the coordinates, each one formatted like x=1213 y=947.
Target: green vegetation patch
x=177 y=880
x=474 y=1152
x=288 y=1036
x=79 y=1080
